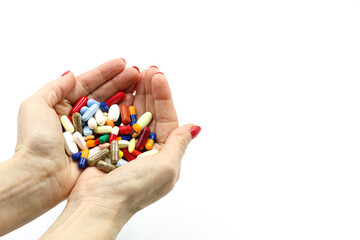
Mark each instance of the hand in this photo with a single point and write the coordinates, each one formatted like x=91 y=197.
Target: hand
x=47 y=174
x=116 y=196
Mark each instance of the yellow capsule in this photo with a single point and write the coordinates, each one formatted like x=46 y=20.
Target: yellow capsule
x=143 y=121
x=103 y=129
x=121 y=154
x=68 y=126
x=85 y=153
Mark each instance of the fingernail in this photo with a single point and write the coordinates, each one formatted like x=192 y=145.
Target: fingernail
x=160 y=73
x=195 y=131
x=65 y=73
x=123 y=60
x=136 y=68
x=154 y=67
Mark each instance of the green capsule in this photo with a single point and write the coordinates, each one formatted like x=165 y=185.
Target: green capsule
x=104 y=138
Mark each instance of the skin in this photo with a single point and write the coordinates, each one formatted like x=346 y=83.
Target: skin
x=40 y=175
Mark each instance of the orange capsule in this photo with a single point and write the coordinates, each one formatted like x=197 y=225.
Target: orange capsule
x=85 y=153
x=118 y=138
x=91 y=143
x=150 y=142
x=90 y=137
x=132 y=110
x=125 y=114
x=109 y=123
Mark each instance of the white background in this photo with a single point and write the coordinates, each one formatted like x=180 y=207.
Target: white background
x=273 y=84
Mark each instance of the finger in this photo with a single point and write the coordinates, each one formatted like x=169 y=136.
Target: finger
x=164 y=110
x=178 y=141
x=141 y=93
x=124 y=81
x=57 y=90
x=89 y=81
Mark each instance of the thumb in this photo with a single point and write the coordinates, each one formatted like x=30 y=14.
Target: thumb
x=178 y=141
x=55 y=91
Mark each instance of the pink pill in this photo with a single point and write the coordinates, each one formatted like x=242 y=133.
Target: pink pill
x=104 y=146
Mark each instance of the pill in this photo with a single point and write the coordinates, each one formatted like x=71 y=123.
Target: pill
x=136 y=153
x=66 y=123
x=115 y=99
x=143 y=137
x=76 y=156
x=148 y=153
x=63 y=129
x=97 y=157
x=104 y=107
x=135 y=134
x=125 y=130
x=77 y=122
x=91 y=102
x=121 y=162
x=126 y=137
x=105 y=117
x=104 y=138
x=150 y=142
x=143 y=121
x=83 y=109
x=94 y=151
x=87 y=131
x=109 y=123
x=91 y=143
x=89 y=113
x=91 y=137
x=132 y=111
x=123 y=144
x=104 y=166
x=128 y=156
x=125 y=114
x=99 y=117
x=121 y=154
x=118 y=138
x=78 y=105
x=103 y=129
x=114 y=113
x=114 y=134
x=79 y=140
x=83 y=159
x=104 y=145
x=114 y=151
x=70 y=145
x=92 y=123
x=131 y=146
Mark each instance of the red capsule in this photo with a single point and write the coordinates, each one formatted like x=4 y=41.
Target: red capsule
x=70 y=118
x=136 y=153
x=115 y=99
x=78 y=105
x=128 y=156
x=143 y=137
x=125 y=114
x=125 y=130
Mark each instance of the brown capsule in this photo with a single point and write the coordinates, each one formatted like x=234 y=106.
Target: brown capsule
x=77 y=122
x=135 y=134
x=107 y=160
x=104 y=166
x=97 y=157
x=114 y=151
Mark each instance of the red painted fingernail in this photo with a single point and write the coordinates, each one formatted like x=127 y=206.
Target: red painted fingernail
x=136 y=68
x=195 y=131
x=160 y=73
x=154 y=67
x=123 y=60
x=65 y=73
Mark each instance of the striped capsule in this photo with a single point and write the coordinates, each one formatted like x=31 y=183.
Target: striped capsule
x=114 y=151
x=143 y=121
x=125 y=114
x=77 y=122
x=144 y=135
x=133 y=118
x=98 y=156
x=83 y=159
x=78 y=105
x=94 y=151
x=128 y=156
x=150 y=142
x=66 y=123
x=114 y=134
x=104 y=107
x=115 y=99
x=104 y=166
x=125 y=130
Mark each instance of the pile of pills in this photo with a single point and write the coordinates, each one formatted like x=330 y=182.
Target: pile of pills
x=105 y=135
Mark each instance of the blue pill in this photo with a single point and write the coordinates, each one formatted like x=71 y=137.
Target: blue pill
x=83 y=110
x=82 y=163
x=87 y=131
x=104 y=107
x=133 y=119
x=89 y=113
x=92 y=102
x=76 y=156
x=126 y=137
x=121 y=162
x=152 y=136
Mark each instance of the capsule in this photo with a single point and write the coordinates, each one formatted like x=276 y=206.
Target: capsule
x=93 y=151
x=99 y=117
x=114 y=113
x=104 y=138
x=83 y=109
x=133 y=118
x=124 y=130
x=104 y=107
x=135 y=134
x=103 y=129
x=104 y=166
x=144 y=135
x=78 y=105
x=150 y=142
x=98 y=156
x=77 y=122
x=114 y=134
x=131 y=146
x=92 y=102
x=90 y=137
x=128 y=156
x=115 y=99
x=76 y=156
x=123 y=144
x=125 y=114
x=109 y=123
x=126 y=137
x=90 y=112
x=143 y=121
x=91 y=143
x=83 y=159
x=104 y=146
x=121 y=154
x=66 y=123
x=114 y=151
x=136 y=153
